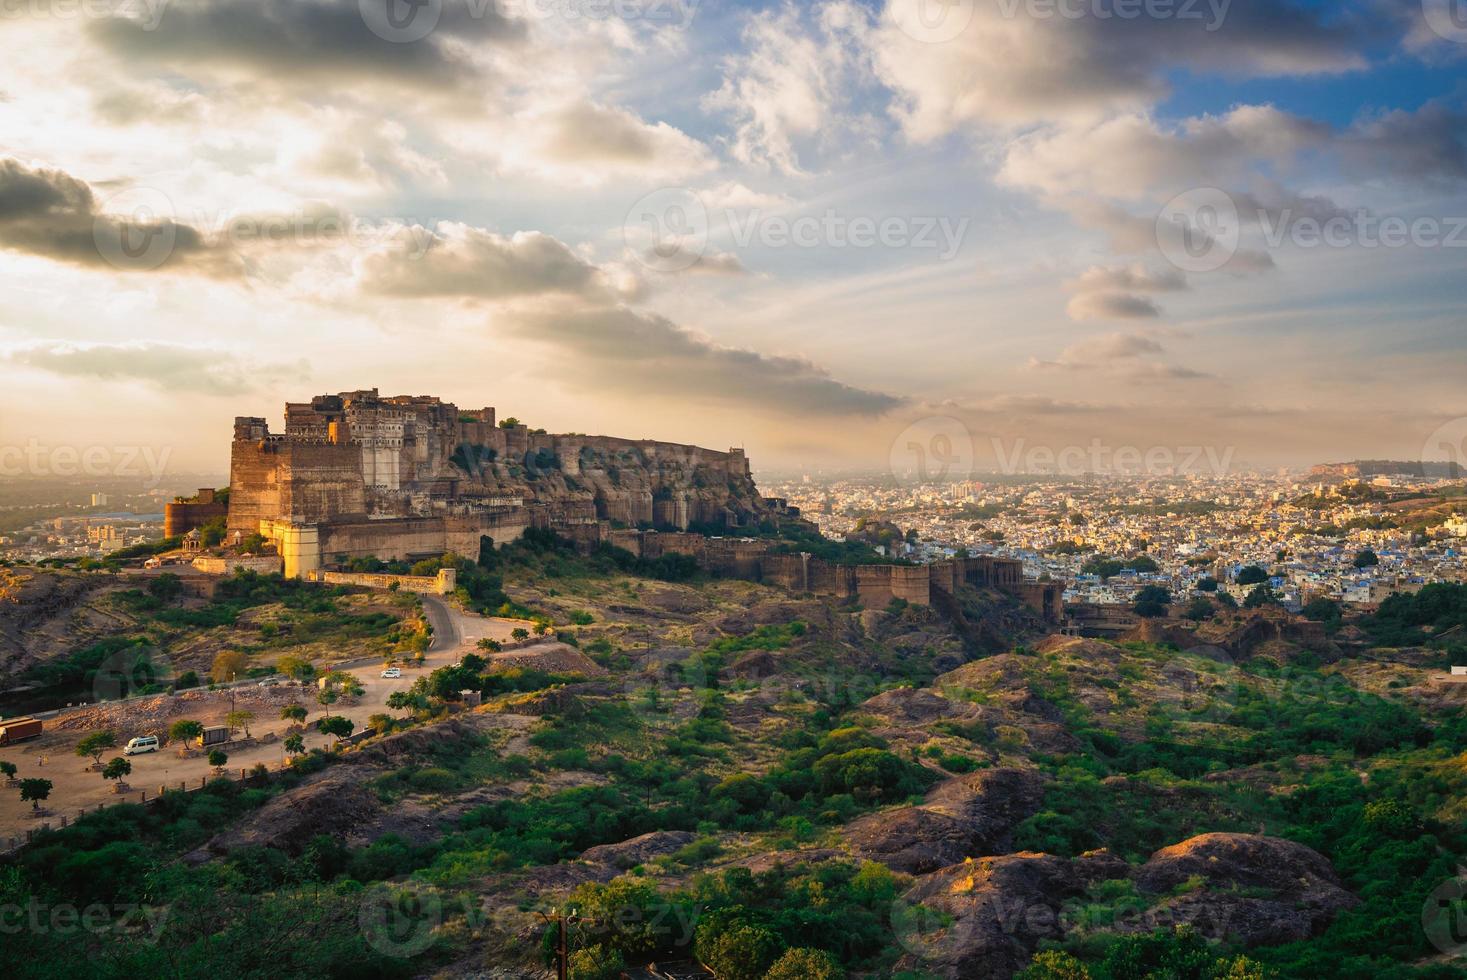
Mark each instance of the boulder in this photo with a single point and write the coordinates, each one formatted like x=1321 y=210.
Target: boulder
x=1255 y=890
x=984 y=917
x=333 y=802
x=639 y=850
x=968 y=816
x=905 y=707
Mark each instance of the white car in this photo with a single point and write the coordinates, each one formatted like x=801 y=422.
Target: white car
x=392 y=673
x=141 y=744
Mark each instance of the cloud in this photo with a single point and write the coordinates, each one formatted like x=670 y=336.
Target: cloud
x=587 y=143
x=1132 y=157
x=1132 y=278
x=167 y=367
x=1115 y=306
x=1111 y=293
x=1009 y=69
x=707 y=262
x=303 y=42
x=460 y=261
x=52 y=214
x=788 y=83
x=1118 y=353
x=649 y=354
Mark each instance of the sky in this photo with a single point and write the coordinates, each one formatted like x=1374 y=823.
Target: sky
x=847 y=234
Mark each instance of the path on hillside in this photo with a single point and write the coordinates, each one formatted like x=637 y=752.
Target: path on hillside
x=455 y=632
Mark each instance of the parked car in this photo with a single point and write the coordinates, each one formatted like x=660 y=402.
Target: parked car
x=141 y=744
x=392 y=673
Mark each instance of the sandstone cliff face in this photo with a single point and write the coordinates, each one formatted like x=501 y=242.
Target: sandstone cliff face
x=629 y=483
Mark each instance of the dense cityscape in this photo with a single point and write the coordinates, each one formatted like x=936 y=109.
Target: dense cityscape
x=1355 y=542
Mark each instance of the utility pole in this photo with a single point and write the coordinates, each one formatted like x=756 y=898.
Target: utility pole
x=562 y=939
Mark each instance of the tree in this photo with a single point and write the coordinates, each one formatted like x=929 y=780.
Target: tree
x=805 y=964
x=1252 y=575
x=295 y=713
x=1054 y=965
x=166 y=587
x=519 y=633
x=294 y=744
x=239 y=719
x=381 y=724
x=218 y=759
x=736 y=951
x=116 y=769
x=1199 y=608
x=228 y=665
x=1152 y=601
x=1367 y=559
x=490 y=646
x=95 y=744
x=296 y=667
x=1226 y=599
x=1325 y=611
x=1259 y=597
x=1208 y=584
x=185 y=730
x=598 y=962
x=327 y=696
x=8 y=770
x=509 y=423
x=336 y=725
x=35 y=791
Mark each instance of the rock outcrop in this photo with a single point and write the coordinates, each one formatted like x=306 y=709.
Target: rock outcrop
x=984 y=918
x=1255 y=890
x=639 y=850
x=969 y=816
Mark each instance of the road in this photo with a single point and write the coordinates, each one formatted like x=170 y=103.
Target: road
x=455 y=633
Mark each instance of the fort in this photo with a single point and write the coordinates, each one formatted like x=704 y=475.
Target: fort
x=182 y=516
x=360 y=475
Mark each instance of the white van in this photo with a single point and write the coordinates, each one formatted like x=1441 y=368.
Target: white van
x=141 y=744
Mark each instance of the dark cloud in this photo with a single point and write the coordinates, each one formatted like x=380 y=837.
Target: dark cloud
x=311 y=40
x=52 y=214
x=1430 y=143
x=630 y=350
x=470 y=263
x=1016 y=70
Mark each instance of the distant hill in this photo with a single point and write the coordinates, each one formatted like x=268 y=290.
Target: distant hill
x=1386 y=467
